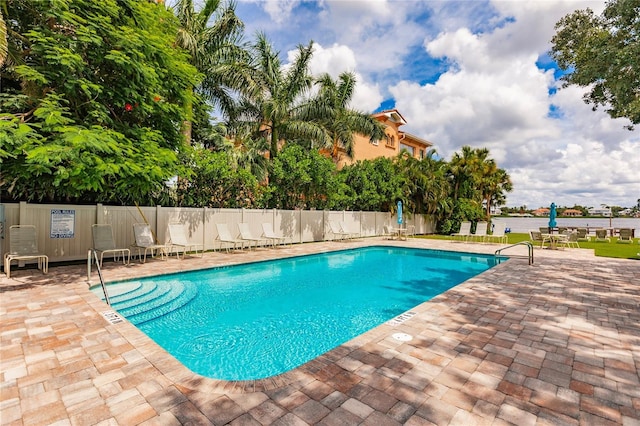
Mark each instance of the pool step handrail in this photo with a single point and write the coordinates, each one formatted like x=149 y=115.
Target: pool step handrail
x=104 y=288
x=521 y=243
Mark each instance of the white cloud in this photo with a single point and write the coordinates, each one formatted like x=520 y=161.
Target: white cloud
x=489 y=93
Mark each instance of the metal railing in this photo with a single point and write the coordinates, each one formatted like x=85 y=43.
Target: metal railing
x=521 y=243
x=104 y=288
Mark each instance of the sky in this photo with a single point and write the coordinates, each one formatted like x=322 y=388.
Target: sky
x=471 y=73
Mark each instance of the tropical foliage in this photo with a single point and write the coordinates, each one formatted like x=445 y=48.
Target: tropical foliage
x=110 y=101
x=91 y=98
x=602 y=53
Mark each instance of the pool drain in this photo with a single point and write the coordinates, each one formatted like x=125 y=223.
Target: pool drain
x=402 y=337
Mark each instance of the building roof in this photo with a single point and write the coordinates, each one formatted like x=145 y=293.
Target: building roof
x=392 y=115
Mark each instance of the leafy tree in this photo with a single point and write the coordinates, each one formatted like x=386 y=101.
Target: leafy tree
x=211 y=180
x=373 y=185
x=603 y=54
x=274 y=101
x=301 y=179
x=92 y=101
x=331 y=108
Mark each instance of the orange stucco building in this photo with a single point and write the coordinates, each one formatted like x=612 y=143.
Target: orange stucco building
x=395 y=141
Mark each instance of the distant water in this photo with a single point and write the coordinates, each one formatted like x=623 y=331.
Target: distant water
x=525 y=224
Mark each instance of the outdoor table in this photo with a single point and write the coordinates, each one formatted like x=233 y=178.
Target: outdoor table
x=554 y=239
x=400 y=232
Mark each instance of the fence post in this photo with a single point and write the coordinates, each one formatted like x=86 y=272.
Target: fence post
x=22 y=213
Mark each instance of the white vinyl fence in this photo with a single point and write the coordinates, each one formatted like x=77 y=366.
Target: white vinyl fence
x=64 y=231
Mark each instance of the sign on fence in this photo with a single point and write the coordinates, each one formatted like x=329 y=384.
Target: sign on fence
x=63 y=223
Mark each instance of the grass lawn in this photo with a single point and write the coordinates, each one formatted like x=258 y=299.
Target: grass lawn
x=612 y=249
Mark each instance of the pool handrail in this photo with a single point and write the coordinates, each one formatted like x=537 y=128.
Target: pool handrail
x=521 y=243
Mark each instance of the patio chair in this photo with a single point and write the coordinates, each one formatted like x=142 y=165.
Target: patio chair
x=601 y=236
x=23 y=245
x=267 y=232
x=386 y=233
x=545 y=230
x=481 y=231
x=245 y=234
x=583 y=234
x=499 y=233
x=570 y=240
x=336 y=230
x=464 y=232
x=347 y=230
x=224 y=236
x=103 y=242
x=145 y=241
x=626 y=236
x=538 y=237
x=178 y=238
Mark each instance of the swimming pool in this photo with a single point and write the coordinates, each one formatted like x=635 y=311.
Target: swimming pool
x=261 y=319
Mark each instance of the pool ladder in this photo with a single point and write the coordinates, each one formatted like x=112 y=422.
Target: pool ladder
x=521 y=243
x=104 y=288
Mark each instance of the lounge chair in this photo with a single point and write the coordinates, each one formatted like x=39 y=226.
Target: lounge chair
x=386 y=233
x=245 y=234
x=601 y=236
x=103 y=242
x=336 y=231
x=539 y=237
x=498 y=233
x=481 y=231
x=146 y=241
x=178 y=238
x=346 y=229
x=583 y=234
x=24 y=246
x=465 y=231
x=545 y=230
x=625 y=236
x=267 y=233
x=224 y=236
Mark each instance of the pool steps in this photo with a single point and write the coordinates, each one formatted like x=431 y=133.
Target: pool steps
x=142 y=302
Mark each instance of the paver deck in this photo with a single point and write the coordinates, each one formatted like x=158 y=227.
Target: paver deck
x=557 y=343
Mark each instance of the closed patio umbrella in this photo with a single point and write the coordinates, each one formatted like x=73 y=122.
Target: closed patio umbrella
x=552 y=216
x=399 y=212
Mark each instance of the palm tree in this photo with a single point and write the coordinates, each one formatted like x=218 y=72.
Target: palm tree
x=493 y=185
x=274 y=103
x=341 y=122
x=212 y=37
x=464 y=169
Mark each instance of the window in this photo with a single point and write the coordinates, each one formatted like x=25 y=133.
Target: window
x=407 y=148
x=391 y=140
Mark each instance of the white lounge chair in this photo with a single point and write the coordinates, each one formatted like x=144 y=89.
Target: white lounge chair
x=499 y=233
x=146 y=241
x=224 y=236
x=247 y=235
x=465 y=231
x=178 y=238
x=23 y=245
x=103 y=242
x=267 y=232
x=347 y=230
x=481 y=231
x=336 y=230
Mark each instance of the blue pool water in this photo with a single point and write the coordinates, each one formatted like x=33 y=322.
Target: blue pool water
x=261 y=319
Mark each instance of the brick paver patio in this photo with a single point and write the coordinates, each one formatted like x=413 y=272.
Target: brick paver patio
x=557 y=343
